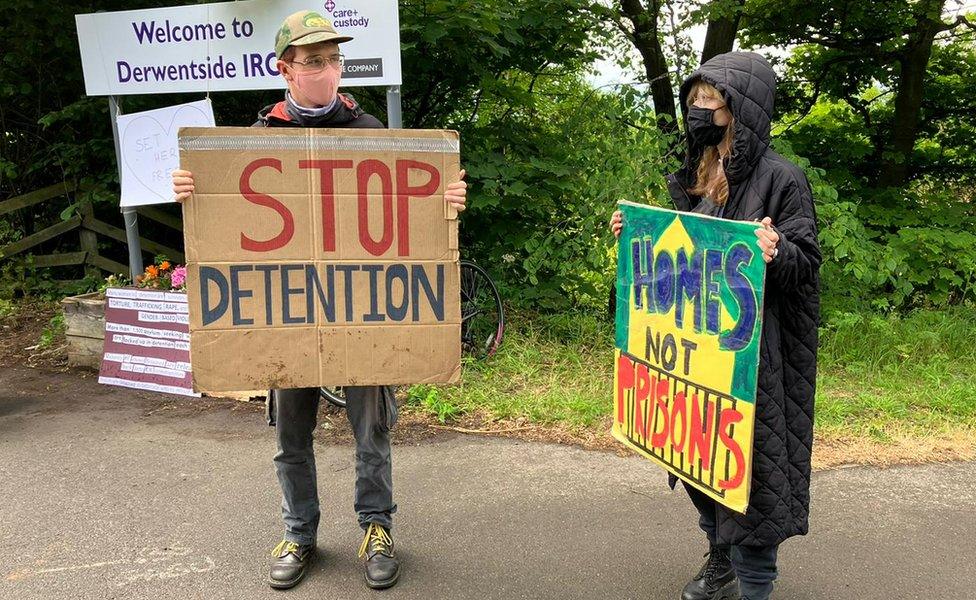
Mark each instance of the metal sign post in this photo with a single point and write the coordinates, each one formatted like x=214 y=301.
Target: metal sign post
x=394 y=115
x=129 y=214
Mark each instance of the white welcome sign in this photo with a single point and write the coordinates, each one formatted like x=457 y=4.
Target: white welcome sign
x=227 y=46
x=150 y=152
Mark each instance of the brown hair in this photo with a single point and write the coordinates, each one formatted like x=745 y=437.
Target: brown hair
x=289 y=54
x=709 y=181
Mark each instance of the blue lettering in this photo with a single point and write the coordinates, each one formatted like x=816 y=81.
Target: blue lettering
x=418 y=279
x=267 y=270
x=287 y=292
x=740 y=336
x=313 y=287
x=373 y=315
x=643 y=275
x=347 y=270
x=664 y=282
x=689 y=286
x=126 y=75
x=713 y=304
x=396 y=312
x=236 y=294
x=212 y=313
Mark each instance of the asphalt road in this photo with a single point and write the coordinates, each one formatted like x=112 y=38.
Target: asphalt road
x=110 y=493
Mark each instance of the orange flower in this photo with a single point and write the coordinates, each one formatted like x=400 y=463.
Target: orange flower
x=152 y=271
x=164 y=266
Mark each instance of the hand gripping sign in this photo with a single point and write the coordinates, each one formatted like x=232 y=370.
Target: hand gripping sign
x=321 y=257
x=688 y=325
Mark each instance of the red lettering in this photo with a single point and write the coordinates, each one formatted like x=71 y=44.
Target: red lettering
x=364 y=171
x=661 y=397
x=327 y=193
x=288 y=226
x=679 y=411
x=643 y=391
x=729 y=417
x=625 y=382
x=404 y=192
x=700 y=443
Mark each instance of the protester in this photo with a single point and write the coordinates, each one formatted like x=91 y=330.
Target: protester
x=730 y=171
x=309 y=59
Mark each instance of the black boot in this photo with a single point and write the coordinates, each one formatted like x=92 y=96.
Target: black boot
x=715 y=580
x=290 y=563
x=382 y=566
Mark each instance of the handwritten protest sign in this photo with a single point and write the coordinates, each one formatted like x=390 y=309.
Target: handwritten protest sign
x=688 y=325
x=149 y=149
x=147 y=341
x=321 y=257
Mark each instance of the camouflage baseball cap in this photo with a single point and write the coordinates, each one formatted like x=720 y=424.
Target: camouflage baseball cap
x=306 y=27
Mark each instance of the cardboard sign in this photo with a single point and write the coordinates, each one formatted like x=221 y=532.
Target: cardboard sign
x=149 y=149
x=226 y=46
x=321 y=257
x=688 y=326
x=147 y=341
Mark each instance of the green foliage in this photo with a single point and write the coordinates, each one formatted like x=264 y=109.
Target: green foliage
x=19 y=277
x=548 y=175
x=887 y=374
x=879 y=253
x=429 y=398
x=459 y=53
x=7 y=308
x=54 y=330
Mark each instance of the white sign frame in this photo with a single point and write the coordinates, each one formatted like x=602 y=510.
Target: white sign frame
x=118 y=58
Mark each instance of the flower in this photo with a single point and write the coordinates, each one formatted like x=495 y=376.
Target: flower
x=178 y=278
x=164 y=266
x=152 y=271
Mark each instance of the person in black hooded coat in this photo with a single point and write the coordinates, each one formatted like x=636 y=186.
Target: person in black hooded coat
x=730 y=171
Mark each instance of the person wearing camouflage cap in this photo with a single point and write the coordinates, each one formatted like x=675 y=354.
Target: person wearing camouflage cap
x=309 y=60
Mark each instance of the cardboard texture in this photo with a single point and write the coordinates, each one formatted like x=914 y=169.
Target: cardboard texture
x=321 y=257
x=689 y=318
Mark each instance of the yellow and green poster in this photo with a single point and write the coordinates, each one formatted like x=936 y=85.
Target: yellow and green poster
x=688 y=325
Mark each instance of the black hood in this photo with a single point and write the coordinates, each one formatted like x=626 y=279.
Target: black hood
x=748 y=84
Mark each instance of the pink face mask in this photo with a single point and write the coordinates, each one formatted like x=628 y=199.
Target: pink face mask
x=321 y=88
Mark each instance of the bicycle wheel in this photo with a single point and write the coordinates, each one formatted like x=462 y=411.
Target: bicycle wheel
x=335 y=396
x=482 y=314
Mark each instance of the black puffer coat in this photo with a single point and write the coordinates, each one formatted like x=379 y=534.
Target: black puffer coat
x=764 y=184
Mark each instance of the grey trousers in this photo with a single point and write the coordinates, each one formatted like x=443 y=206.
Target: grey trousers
x=372 y=412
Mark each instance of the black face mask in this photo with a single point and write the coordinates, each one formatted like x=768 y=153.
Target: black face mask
x=702 y=128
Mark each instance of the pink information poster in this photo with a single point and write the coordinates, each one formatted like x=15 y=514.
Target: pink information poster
x=147 y=341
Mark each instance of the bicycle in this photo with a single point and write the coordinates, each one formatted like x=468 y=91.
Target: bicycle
x=482 y=322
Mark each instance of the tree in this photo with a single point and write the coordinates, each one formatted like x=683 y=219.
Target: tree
x=665 y=50
x=638 y=21
x=723 y=24
x=854 y=45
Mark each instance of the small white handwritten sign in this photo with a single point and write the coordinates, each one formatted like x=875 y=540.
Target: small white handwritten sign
x=149 y=150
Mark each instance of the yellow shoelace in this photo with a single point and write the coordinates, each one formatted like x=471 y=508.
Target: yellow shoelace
x=377 y=540
x=283 y=548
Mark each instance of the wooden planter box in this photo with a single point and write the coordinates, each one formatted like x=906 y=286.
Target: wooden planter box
x=84 y=320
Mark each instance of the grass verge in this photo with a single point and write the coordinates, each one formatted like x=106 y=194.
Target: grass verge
x=892 y=389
